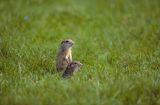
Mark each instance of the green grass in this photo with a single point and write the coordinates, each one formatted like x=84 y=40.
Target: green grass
x=118 y=42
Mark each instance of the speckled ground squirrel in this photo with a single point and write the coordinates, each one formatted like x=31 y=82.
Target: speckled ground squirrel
x=64 y=55
x=71 y=68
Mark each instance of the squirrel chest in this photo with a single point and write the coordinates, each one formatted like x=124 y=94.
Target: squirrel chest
x=66 y=57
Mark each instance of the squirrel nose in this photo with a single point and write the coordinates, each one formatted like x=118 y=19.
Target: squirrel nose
x=81 y=64
x=72 y=43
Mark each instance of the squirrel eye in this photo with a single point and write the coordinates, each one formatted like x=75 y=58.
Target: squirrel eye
x=67 y=41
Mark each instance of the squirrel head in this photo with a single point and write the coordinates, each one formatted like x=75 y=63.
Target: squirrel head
x=75 y=65
x=67 y=43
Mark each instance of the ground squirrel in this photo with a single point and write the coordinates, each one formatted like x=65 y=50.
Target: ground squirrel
x=71 y=68
x=64 y=55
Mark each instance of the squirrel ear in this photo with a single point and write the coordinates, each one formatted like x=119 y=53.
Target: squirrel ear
x=62 y=42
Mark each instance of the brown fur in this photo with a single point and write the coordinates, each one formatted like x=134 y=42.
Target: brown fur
x=64 y=55
x=71 y=68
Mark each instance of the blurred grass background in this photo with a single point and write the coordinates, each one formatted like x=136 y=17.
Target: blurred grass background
x=118 y=42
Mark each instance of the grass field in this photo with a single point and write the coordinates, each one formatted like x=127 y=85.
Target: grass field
x=118 y=42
